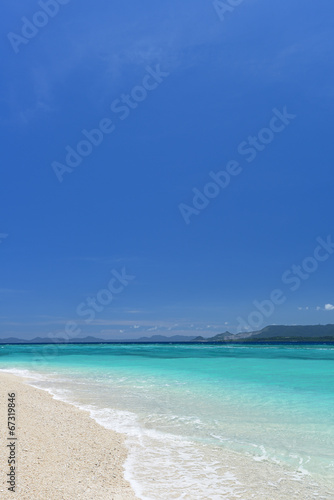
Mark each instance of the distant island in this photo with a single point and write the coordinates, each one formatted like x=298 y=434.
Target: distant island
x=272 y=333
x=96 y=340
x=277 y=333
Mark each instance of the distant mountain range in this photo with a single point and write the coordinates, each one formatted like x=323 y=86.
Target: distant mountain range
x=95 y=340
x=273 y=333
x=313 y=333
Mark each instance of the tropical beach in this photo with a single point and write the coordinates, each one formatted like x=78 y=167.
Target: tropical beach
x=167 y=250
x=172 y=421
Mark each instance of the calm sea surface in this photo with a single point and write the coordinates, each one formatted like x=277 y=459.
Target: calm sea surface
x=202 y=421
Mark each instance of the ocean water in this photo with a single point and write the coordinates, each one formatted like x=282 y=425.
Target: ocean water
x=202 y=421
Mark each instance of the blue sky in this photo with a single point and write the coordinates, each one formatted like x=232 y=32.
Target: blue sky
x=197 y=91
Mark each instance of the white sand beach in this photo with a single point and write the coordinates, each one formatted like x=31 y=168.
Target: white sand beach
x=62 y=453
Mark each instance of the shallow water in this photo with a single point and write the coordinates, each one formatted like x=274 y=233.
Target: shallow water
x=203 y=421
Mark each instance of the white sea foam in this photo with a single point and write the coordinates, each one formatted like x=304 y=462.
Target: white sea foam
x=161 y=465
x=20 y=372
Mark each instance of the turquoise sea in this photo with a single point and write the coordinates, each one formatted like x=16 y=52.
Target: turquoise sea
x=202 y=421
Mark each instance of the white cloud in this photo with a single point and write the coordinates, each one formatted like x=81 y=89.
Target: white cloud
x=327 y=307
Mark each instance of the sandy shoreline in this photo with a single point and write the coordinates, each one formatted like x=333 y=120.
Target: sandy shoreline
x=62 y=453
